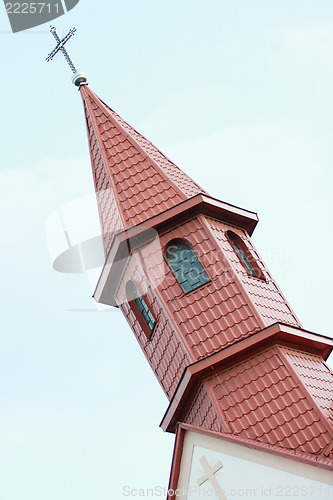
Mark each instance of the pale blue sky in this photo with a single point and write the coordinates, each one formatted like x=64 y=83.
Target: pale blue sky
x=239 y=95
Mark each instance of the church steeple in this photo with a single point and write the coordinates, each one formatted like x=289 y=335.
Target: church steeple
x=226 y=347
x=222 y=340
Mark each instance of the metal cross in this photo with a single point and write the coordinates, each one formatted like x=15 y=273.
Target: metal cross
x=61 y=47
x=209 y=474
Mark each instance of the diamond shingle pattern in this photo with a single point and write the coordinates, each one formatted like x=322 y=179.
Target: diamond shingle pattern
x=264 y=294
x=144 y=182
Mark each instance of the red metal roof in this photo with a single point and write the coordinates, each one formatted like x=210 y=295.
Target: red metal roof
x=262 y=399
x=164 y=351
x=138 y=180
x=316 y=377
x=276 y=395
x=203 y=412
x=265 y=296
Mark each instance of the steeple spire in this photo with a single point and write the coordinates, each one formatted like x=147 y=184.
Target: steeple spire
x=134 y=181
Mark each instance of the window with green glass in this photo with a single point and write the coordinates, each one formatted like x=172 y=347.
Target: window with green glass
x=140 y=308
x=143 y=308
x=185 y=266
x=242 y=253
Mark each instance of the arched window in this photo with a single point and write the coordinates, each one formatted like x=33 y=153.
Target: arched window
x=140 y=308
x=185 y=265
x=244 y=255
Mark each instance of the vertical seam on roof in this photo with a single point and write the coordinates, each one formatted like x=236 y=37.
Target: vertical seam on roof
x=127 y=311
x=86 y=112
x=238 y=283
x=121 y=175
x=171 y=318
x=220 y=411
x=102 y=151
x=274 y=282
x=306 y=392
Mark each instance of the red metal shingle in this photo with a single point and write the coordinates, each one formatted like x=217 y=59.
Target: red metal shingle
x=203 y=414
x=316 y=377
x=274 y=396
x=108 y=210
x=265 y=295
x=261 y=400
x=214 y=315
x=164 y=350
x=144 y=181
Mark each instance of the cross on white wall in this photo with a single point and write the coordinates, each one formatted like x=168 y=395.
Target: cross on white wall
x=209 y=475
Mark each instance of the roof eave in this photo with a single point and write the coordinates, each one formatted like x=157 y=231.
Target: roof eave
x=129 y=239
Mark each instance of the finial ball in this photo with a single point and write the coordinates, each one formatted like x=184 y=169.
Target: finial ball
x=79 y=78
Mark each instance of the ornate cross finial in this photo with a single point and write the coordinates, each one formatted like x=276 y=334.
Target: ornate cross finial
x=78 y=78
